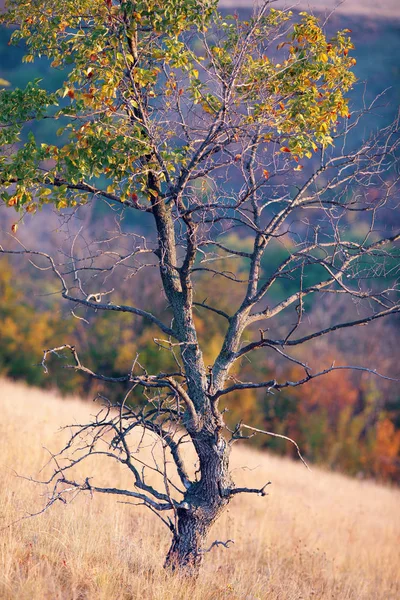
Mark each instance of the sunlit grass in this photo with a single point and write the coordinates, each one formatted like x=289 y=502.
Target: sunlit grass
x=317 y=535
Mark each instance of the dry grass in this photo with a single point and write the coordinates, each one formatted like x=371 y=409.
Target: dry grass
x=317 y=535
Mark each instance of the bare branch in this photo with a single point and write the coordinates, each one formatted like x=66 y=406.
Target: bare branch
x=258 y=491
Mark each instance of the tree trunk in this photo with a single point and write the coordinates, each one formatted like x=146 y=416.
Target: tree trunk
x=187 y=548
x=203 y=503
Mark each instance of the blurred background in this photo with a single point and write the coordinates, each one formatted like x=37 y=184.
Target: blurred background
x=349 y=421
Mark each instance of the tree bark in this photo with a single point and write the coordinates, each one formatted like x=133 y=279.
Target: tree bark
x=205 y=499
x=203 y=503
x=186 y=552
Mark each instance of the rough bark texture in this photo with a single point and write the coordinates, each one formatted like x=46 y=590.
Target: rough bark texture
x=205 y=499
x=204 y=502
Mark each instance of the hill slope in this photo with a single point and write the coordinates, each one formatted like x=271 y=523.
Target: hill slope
x=317 y=535
x=388 y=9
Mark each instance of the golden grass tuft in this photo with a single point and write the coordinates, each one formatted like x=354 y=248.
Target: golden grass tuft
x=317 y=535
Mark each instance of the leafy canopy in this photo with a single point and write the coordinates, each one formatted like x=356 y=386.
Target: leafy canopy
x=134 y=69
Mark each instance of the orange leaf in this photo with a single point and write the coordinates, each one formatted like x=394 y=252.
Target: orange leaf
x=14 y=227
x=285 y=149
x=266 y=173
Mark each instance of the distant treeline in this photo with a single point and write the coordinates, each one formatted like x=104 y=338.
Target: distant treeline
x=347 y=420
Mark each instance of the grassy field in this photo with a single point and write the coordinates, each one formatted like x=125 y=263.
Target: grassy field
x=317 y=535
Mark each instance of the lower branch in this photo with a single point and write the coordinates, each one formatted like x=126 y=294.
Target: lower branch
x=282 y=437
x=218 y=543
x=146 y=500
x=245 y=490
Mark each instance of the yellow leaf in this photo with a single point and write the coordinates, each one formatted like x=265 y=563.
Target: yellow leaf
x=207 y=108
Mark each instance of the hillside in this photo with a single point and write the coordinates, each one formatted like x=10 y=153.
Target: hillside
x=385 y=8
x=389 y=9
x=317 y=535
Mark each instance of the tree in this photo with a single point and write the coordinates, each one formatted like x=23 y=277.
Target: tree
x=200 y=124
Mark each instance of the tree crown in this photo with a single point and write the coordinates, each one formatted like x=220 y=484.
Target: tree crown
x=150 y=85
